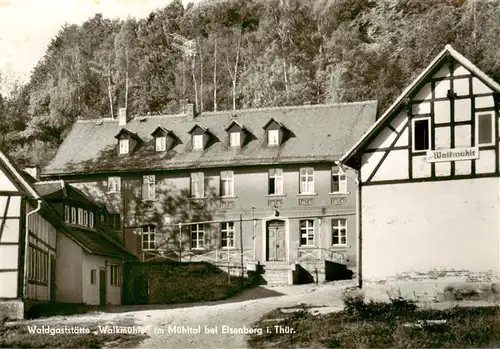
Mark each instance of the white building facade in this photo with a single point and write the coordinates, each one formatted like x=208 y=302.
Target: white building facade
x=428 y=173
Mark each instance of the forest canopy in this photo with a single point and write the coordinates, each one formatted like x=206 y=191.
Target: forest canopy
x=236 y=54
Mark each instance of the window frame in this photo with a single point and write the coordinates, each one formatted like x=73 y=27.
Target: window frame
x=73 y=215
x=161 y=143
x=198 y=142
x=149 y=231
x=198 y=183
x=91 y=220
x=124 y=146
x=307 y=231
x=149 y=187
x=93 y=276
x=492 y=123
x=197 y=229
x=342 y=183
x=415 y=120
x=67 y=215
x=340 y=227
x=114 y=272
x=85 y=218
x=235 y=139
x=309 y=188
x=227 y=184
x=227 y=234
x=271 y=138
x=114 y=184
x=275 y=175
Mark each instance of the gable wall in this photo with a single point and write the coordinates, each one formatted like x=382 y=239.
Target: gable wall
x=390 y=157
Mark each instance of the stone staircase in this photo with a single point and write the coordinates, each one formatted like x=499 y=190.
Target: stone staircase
x=278 y=273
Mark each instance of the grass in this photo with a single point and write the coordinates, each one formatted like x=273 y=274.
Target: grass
x=398 y=323
x=18 y=336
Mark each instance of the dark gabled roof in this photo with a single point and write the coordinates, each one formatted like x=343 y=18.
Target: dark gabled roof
x=204 y=129
x=128 y=133
x=50 y=188
x=234 y=122
x=160 y=128
x=96 y=242
x=317 y=133
x=270 y=122
x=389 y=113
x=59 y=190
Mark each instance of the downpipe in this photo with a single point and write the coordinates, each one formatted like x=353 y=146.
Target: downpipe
x=26 y=246
x=357 y=180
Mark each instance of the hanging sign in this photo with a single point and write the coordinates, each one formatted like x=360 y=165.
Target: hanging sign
x=457 y=154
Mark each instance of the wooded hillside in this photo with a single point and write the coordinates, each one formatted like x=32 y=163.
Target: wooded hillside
x=239 y=54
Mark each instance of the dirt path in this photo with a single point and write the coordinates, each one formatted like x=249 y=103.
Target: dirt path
x=161 y=324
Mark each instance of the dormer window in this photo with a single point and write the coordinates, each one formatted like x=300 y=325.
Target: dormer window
x=274 y=133
x=164 y=139
x=273 y=137
x=199 y=137
x=126 y=141
x=161 y=143
x=234 y=139
x=236 y=133
x=198 y=142
x=124 y=146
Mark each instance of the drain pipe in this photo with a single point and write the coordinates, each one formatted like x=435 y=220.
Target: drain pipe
x=356 y=180
x=26 y=246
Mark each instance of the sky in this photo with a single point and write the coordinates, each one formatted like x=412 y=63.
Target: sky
x=27 y=26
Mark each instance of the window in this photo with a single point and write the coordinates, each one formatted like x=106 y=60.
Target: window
x=339 y=181
x=307 y=180
x=115 y=221
x=275 y=181
x=114 y=184
x=91 y=219
x=421 y=134
x=73 y=215
x=234 y=139
x=339 y=232
x=148 y=187
x=485 y=129
x=66 y=214
x=197 y=185
x=161 y=143
x=93 y=276
x=273 y=137
x=197 y=142
x=38 y=265
x=227 y=234
x=227 y=183
x=307 y=232
x=148 y=237
x=80 y=216
x=197 y=236
x=85 y=218
x=113 y=275
x=123 y=146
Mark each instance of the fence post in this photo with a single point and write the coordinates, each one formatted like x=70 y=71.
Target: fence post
x=180 y=242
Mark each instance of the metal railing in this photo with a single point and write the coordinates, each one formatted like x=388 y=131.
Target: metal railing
x=318 y=254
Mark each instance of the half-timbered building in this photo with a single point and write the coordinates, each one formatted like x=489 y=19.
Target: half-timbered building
x=429 y=179
x=27 y=243
x=252 y=185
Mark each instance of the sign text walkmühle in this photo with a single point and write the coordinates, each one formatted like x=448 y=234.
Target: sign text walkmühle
x=456 y=154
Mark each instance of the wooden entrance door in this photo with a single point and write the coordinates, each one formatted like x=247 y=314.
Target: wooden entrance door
x=102 y=287
x=276 y=243
x=52 y=279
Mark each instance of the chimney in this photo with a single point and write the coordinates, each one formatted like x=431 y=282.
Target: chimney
x=190 y=111
x=122 y=116
x=182 y=104
x=33 y=172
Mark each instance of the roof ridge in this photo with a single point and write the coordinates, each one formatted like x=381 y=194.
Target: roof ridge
x=243 y=110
